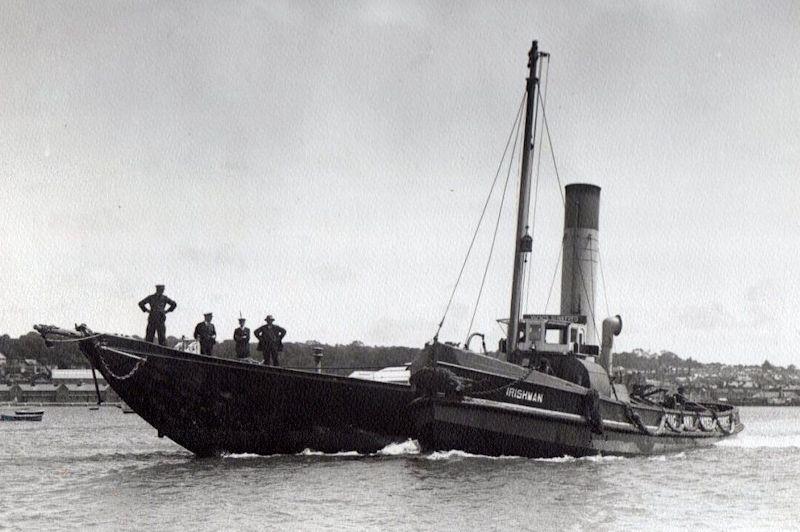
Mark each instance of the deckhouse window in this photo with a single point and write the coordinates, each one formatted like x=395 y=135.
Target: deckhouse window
x=553 y=336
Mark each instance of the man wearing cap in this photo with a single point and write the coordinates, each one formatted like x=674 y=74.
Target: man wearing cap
x=270 y=340
x=206 y=334
x=241 y=337
x=157 y=320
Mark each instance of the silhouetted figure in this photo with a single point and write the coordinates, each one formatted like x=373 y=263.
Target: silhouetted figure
x=270 y=340
x=241 y=337
x=206 y=334
x=680 y=396
x=159 y=305
x=545 y=367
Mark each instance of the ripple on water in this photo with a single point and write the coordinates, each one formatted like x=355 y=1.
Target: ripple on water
x=101 y=469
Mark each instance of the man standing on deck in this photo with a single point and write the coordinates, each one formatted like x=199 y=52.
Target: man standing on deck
x=157 y=320
x=270 y=340
x=241 y=337
x=206 y=334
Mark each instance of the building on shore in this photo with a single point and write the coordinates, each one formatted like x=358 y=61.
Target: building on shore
x=75 y=376
x=57 y=393
x=35 y=393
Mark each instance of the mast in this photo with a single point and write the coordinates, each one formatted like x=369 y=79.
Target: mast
x=523 y=244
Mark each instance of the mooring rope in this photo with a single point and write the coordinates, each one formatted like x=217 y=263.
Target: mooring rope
x=81 y=339
x=496 y=227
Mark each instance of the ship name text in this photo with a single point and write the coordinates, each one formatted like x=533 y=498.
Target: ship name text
x=525 y=395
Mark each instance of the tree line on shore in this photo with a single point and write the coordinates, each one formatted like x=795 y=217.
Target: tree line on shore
x=640 y=360
x=339 y=358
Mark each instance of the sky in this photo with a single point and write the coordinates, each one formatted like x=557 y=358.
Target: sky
x=326 y=162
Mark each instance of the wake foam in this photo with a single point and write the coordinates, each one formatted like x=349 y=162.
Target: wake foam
x=453 y=454
x=239 y=456
x=309 y=452
x=665 y=457
x=408 y=447
x=749 y=441
x=598 y=458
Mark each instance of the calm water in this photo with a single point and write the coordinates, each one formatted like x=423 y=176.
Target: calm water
x=105 y=469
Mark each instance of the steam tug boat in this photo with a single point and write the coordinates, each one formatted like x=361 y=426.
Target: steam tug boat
x=545 y=393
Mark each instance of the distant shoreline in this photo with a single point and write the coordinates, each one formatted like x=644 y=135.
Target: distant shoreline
x=119 y=405
x=23 y=405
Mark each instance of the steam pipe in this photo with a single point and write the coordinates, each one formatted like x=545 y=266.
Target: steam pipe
x=611 y=327
x=473 y=335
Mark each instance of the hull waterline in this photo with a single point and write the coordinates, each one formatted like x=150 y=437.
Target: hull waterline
x=500 y=429
x=211 y=406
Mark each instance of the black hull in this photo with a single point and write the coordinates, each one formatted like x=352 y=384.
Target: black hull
x=500 y=429
x=510 y=410
x=212 y=406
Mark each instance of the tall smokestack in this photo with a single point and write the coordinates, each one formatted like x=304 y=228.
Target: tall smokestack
x=581 y=254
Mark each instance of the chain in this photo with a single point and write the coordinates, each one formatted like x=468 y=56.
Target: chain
x=120 y=377
x=500 y=388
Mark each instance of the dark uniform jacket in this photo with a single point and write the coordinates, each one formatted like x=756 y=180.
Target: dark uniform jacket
x=241 y=336
x=205 y=333
x=159 y=306
x=270 y=337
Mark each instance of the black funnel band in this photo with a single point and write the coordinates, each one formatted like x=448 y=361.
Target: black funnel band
x=582 y=210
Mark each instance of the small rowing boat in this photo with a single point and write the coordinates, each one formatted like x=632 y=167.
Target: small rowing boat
x=23 y=415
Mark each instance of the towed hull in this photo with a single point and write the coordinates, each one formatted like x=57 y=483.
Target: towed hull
x=211 y=406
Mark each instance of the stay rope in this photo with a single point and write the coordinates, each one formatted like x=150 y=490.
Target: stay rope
x=496 y=226
x=555 y=274
x=603 y=280
x=564 y=202
x=70 y=340
x=512 y=133
x=532 y=222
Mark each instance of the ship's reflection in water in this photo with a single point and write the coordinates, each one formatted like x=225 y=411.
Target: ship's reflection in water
x=102 y=469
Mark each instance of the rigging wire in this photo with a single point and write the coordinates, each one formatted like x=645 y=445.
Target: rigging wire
x=555 y=273
x=603 y=279
x=496 y=226
x=512 y=133
x=564 y=202
x=532 y=222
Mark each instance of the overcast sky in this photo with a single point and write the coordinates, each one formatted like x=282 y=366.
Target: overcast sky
x=326 y=162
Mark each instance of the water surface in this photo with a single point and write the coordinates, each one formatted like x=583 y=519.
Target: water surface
x=108 y=470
